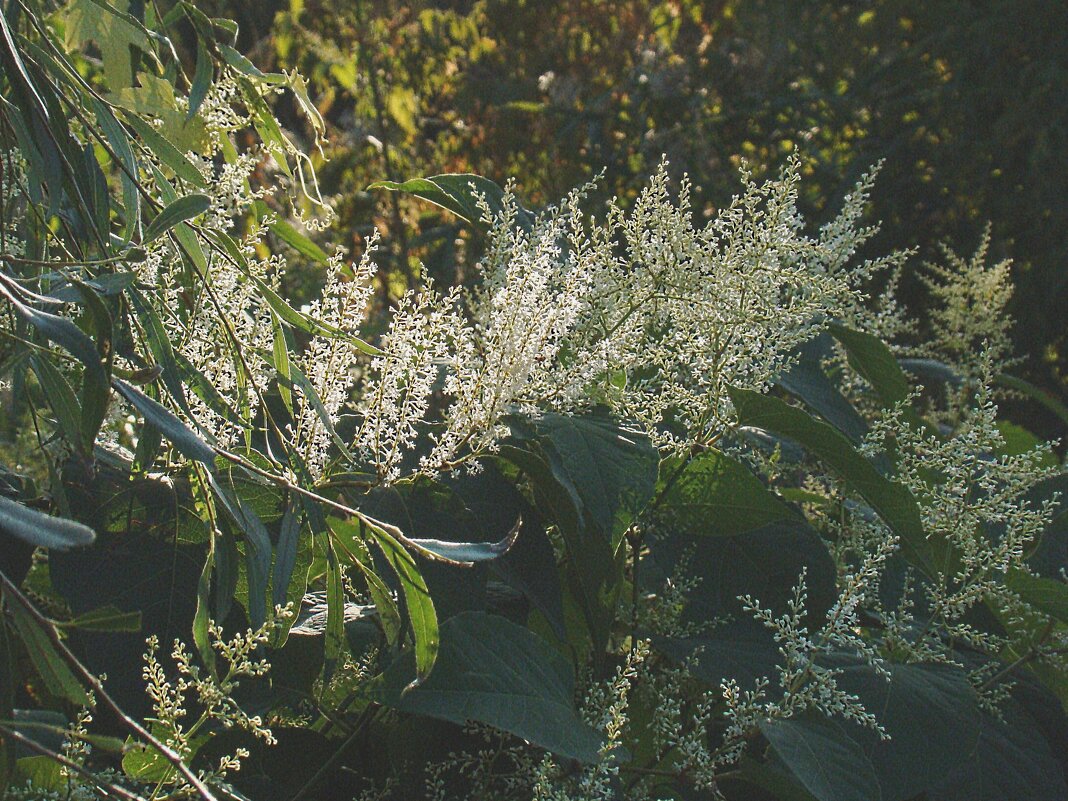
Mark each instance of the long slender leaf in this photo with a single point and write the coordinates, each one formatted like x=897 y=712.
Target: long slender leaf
x=38 y=528
x=182 y=209
x=172 y=428
x=417 y=600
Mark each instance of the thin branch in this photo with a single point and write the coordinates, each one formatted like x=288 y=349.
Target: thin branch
x=112 y=790
x=98 y=688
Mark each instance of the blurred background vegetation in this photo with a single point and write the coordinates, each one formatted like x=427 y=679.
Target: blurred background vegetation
x=967 y=102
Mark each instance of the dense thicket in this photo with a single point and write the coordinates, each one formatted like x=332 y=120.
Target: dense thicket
x=639 y=487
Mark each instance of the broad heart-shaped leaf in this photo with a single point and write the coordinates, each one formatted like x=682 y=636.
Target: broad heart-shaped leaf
x=807 y=381
x=610 y=470
x=180 y=210
x=1048 y=595
x=823 y=757
x=892 y=501
x=712 y=495
x=493 y=671
x=38 y=528
x=765 y=563
x=870 y=357
x=1013 y=760
x=458 y=193
x=932 y=716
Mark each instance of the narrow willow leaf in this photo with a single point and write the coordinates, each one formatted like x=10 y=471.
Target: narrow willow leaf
x=59 y=330
x=457 y=193
x=246 y=67
x=496 y=672
x=169 y=425
x=892 y=501
x=823 y=757
x=182 y=209
x=335 y=615
x=166 y=152
x=61 y=398
x=469 y=552
x=280 y=359
x=106 y=618
x=38 y=528
x=95 y=392
x=48 y=663
x=309 y=324
x=159 y=343
x=417 y=600
x=298 y=241
x=257 y=547
x=351 y=539
x=205 y=71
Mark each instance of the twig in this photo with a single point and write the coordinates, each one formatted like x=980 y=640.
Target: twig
x=113 y=790
x=98 y=688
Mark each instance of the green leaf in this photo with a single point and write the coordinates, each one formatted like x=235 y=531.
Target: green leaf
x=155 y=97
x=182 y=209
x=417 y=600
x=61 y=398
x=168 y=423
x=307 y=323
x=824 y=758
x=458 y=193
x=1049 y=596
x=257 y=547
x=892 y=501
x=716 y=496
x=610 y=469
x=1012 y=760
x=59 y=330
x=807 y=381
x=50 y=666
x=870 y=357
x=298 y=241
x=875 y=362
x=106 y=618
x=205 y=71
x=144 y=763
x=40 y=529
x=1035 y=393
x=97 y=21
x=496 y=672
x=166 y=152
x=932 y=716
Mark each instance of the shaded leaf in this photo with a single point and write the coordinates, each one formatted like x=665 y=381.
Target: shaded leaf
x=824 y=758
x=496 y=672
x=41 y=529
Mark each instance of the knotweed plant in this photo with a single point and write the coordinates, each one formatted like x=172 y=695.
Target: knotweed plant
x=677 y=459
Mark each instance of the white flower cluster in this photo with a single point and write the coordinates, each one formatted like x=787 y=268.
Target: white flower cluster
x=212 y=692
x=641 y=311
x=973 y=497
x=969 y=314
